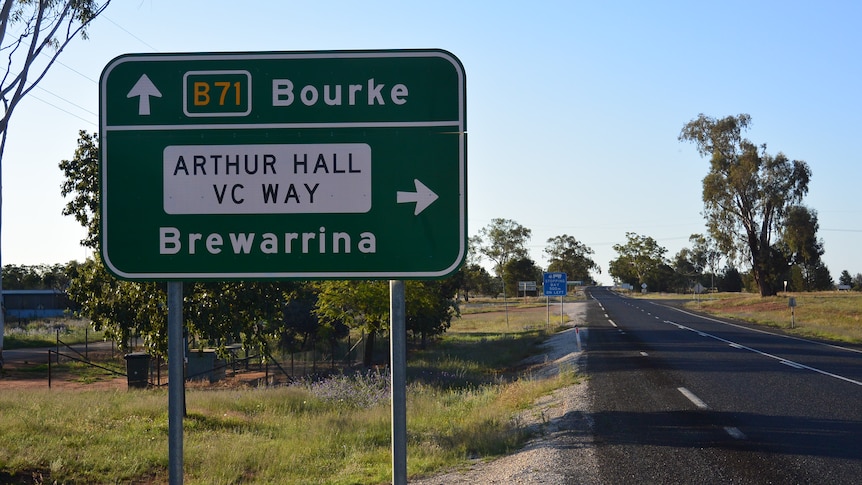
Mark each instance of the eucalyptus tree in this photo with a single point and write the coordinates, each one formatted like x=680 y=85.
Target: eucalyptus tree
x=568 y=255
x=641 y=260
x=803 y=249
x=746 y=193
x=504 y=240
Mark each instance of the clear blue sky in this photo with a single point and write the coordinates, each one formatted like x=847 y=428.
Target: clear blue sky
x=573 y=107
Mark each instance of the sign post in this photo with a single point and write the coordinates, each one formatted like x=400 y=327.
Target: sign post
x=283 y=165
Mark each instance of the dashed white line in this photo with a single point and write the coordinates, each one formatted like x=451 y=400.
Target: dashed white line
x=734 y=432
x=612 y=323
x=691 y=397
x=791 y=337
x=644 y=354
x=796 y=365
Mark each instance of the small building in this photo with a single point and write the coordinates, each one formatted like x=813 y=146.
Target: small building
x=36 y=303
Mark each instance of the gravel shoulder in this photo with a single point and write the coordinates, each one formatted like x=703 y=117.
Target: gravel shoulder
x=562 y=452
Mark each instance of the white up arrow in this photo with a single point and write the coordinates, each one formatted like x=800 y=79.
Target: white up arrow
x=144 y=88
x=423 y=197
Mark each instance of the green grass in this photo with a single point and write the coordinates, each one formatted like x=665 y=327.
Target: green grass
x=463 y=395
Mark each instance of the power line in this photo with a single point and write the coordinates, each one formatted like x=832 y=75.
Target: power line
x=131 y=34
x=61 y=109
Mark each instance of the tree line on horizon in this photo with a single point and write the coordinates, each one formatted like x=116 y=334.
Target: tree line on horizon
x=291 y=314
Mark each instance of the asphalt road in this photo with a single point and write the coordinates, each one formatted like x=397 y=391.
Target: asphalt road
x=682 y=398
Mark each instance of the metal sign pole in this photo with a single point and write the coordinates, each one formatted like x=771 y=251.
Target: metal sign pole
x=561 y=311
x=175 y=382
x=398 y=359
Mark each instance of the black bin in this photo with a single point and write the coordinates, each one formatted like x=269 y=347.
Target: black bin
x=138 y=369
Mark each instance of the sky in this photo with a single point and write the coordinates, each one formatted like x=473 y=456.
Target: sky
x=574 y=108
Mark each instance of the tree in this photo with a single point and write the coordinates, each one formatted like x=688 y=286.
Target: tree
x=357 y=304
x=706 y=253
x=568 y=255
x=845 y=279
x=521 y=269
x=504 y=240
x=81 y=183
x=688 y=267
x=430 y=307
x=730 y=280
x=475 y=279
x=122 y=309
x=640 y=260
x=33 y=34
x=217 y=313
x=691 y=264
x=38 y=277
x=472 y=277
x=803 y=249
x=747 y=191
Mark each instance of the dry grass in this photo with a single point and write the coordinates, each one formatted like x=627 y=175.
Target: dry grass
x=829 y=315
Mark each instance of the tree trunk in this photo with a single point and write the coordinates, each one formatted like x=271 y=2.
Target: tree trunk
x=761 y=269
x=368 y=355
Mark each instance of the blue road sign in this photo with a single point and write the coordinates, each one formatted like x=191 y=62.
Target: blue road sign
x=555 y=284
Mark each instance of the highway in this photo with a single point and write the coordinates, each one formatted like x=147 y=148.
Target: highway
x=682 y=398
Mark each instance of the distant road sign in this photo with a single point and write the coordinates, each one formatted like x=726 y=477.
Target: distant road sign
x=303 y=165
x=555 y=284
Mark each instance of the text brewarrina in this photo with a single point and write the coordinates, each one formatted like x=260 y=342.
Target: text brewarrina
x=172 y=241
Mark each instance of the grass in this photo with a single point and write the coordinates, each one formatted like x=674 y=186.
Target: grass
x=826 y=315
x=463 y=395
x=43 y=332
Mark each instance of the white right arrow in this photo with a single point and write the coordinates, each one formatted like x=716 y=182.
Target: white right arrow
x=423 y=197
x=144 y=88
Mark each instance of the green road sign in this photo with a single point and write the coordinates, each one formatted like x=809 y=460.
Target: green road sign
x=305 y=165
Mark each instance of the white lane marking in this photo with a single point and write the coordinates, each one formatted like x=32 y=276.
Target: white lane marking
x=612 y=323
x=691 y=397
x=734 y=432
x=791 y=337
x=771 y=356
x=606 y=315
x=644 y=354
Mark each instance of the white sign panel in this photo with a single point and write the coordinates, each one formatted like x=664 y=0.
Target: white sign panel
x=267 y=179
